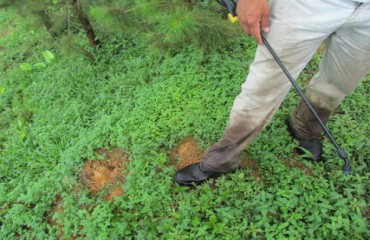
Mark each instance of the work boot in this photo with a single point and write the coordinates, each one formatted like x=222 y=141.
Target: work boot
x=193 y=174
x=312 y=146
x=304 y=127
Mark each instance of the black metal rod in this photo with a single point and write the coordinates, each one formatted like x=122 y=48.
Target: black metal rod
x=341 y=153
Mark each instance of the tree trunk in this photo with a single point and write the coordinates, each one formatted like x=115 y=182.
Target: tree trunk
x=85 y=24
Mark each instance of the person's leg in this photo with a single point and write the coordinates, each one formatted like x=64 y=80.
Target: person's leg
x=297 y=29
x=345 y=63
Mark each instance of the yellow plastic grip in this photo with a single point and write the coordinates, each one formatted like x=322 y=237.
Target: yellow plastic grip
x=232 y=19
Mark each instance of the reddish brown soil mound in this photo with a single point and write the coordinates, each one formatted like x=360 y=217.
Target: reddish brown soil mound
x=105 y=174
x=187 y=153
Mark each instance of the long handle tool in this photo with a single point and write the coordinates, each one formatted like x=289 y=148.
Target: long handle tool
x=231 y=6
x=341 y=153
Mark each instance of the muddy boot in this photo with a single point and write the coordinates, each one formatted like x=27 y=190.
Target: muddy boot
x=304 y=127
x=193 y=175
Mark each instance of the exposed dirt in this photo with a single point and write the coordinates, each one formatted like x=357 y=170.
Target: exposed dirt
x=248 y=163
x=56 y=208
x=299 y=165
x=106 y=174
x=322 y=48
x=189 y=152
x=114 y=192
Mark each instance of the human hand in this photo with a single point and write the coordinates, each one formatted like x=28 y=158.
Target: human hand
x=254 y=17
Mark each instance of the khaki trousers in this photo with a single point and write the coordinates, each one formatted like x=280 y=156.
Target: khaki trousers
x=298 y=28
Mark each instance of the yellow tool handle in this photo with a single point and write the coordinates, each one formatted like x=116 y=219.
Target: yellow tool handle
x=232 y=19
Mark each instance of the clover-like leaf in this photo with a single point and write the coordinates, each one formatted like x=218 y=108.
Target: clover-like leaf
x=26 y=67
x=48 y=56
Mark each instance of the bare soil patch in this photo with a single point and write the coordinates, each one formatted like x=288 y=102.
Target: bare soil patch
x=299 y=165
x=102 y=175
x=187 y=153
x=248 y=163
x=56 y=208
x=106 y=174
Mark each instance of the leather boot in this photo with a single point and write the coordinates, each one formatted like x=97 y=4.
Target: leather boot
x=304 y=127
x=313 y=146
x=193 y=174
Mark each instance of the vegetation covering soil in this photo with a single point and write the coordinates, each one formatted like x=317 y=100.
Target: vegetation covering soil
x=89 y=146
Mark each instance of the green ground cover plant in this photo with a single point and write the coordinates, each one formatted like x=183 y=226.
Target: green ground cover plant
x=57 y=109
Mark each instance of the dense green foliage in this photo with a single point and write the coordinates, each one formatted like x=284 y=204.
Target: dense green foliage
x=57 y=109
x=176 y=23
